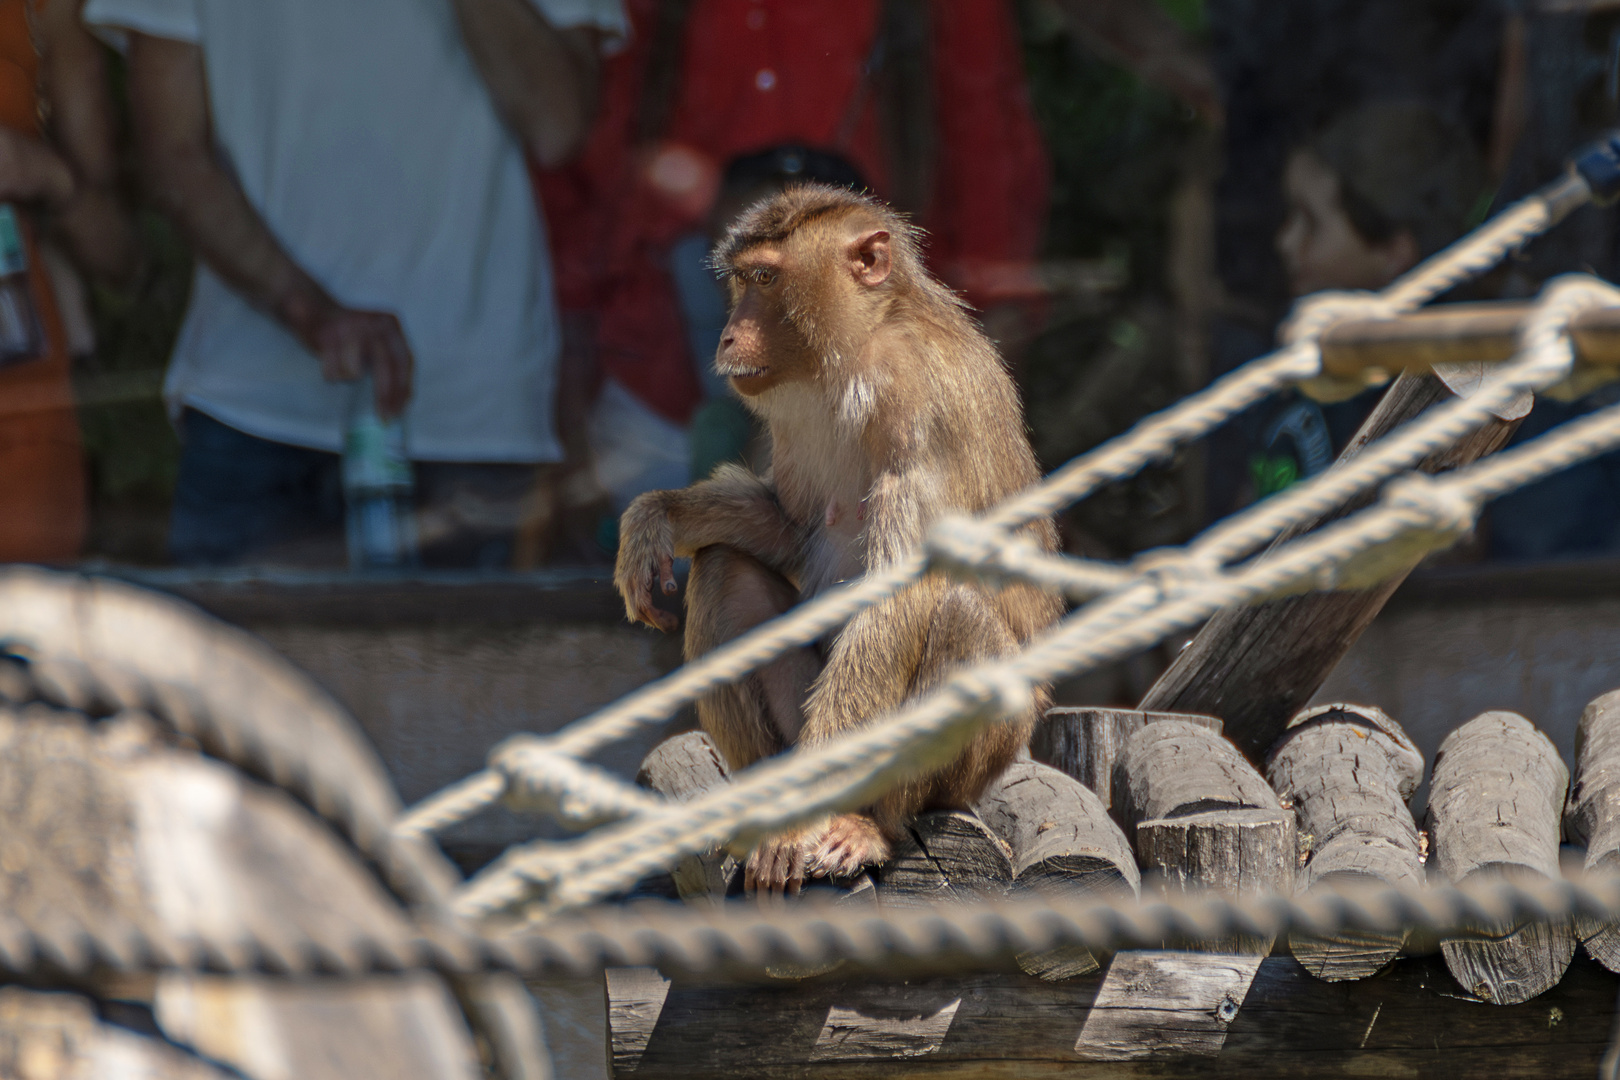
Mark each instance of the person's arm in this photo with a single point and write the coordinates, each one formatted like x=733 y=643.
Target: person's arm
x=91 y=215
x=544 y=81
x=168 y=92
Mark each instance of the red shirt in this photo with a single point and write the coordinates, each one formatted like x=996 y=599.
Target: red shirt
x=763 y=73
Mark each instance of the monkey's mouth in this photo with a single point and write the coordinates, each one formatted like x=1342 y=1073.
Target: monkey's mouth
x=745 y=373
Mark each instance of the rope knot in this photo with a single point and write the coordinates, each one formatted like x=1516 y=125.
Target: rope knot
x=1000 y=689
x=542 y=779
x=1313 y=315
x=1446 y=507
x=963 y=543
x=1174 y=571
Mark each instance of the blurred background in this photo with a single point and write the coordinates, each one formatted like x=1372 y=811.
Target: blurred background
x=360 y=330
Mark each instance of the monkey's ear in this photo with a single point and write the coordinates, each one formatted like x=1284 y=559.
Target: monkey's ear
x=869 y=257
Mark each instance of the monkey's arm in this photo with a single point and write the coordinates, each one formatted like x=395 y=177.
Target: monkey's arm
x=732 y=507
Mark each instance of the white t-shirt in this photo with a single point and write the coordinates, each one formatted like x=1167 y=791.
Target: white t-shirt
x=363 y=135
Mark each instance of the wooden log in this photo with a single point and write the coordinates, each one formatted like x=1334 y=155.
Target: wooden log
x=1256 y=666
x=1347 y=771
x=1282 y=1024
x=1062 y=841
x=1495 y=802
x=681 y=768
x=1592 y=818
x=1084 y=743
x=948 y=855
x=1203 y=817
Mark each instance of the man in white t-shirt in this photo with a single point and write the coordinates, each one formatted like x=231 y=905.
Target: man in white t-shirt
x=351 y=175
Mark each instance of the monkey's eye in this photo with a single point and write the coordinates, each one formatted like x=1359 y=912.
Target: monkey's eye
x=763 y=278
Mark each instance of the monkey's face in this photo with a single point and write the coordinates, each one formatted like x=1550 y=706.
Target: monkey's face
x=762 y=346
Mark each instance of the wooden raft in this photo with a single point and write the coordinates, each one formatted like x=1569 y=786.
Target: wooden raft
x=1151 y=1014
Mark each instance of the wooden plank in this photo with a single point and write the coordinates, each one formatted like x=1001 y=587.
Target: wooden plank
x=1592 y=819
x=1062 y=840
x=1495 y=804
x=1256 y=666
x=681 y=768
x=1347 y=771
x=635 y=997
x=1409 y=1021
x=1085 y=742
x=1165 y=1004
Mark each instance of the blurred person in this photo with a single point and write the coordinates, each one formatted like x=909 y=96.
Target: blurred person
x=58 y=179
x=925 y=102
x=351 y=175
x=1374 y=193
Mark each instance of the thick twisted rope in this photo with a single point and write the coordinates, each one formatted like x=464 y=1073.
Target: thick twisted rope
x=743 y=937
x=1152 y=439
x=1418 y=514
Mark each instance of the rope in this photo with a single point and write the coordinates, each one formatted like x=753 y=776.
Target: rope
x=738 y=937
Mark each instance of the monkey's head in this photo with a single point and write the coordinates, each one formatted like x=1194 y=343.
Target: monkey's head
x=811 y=272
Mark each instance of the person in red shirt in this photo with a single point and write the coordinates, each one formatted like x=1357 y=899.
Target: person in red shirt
x=927 y=101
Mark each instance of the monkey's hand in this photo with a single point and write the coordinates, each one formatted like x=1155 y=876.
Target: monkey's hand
x=780 y=863
x=646 y=558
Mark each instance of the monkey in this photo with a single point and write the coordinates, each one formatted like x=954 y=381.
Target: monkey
x=885 y=407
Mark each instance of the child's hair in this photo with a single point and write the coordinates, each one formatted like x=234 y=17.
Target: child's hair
x=1402 y=166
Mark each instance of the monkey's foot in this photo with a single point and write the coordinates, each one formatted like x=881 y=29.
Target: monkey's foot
x=779 y=864
x=850 y=843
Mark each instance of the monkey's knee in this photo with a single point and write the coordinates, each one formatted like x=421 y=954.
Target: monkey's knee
x=728 y=594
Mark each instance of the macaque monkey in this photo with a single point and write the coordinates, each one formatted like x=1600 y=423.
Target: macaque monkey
x=886 y=408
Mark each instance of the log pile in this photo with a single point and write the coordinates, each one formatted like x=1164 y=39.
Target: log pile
x=1132 y=802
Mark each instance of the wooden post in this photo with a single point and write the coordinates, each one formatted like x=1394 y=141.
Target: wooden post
x=1593 y=817
x=1062 y=840
x=1256 y=666
x=1202 y=816
x=1495 y=801
x=1347 y=771
x=681 y=768
x=1085 y=742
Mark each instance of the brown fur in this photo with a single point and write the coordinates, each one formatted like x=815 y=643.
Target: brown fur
x=886 y=409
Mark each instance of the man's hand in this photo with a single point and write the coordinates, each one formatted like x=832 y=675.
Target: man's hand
x=169 y=97
x=352 y=343
x=31 y=169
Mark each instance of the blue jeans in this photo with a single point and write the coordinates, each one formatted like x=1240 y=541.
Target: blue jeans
x=241 y=498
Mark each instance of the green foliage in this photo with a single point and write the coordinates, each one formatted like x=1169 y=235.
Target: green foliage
x=1116 y=145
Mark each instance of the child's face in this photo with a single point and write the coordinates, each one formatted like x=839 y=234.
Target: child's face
x=1319 y=246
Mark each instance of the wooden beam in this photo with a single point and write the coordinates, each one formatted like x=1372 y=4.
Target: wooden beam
x=1495 y=804
x=1085 y=742
x=1593 y=817
x=1256 y=666
x=1410 y=1021
x=1458 y=333
x=1347 y=771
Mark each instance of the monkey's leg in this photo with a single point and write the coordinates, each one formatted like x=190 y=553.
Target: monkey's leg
x=729 y=593
x=965 y=627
